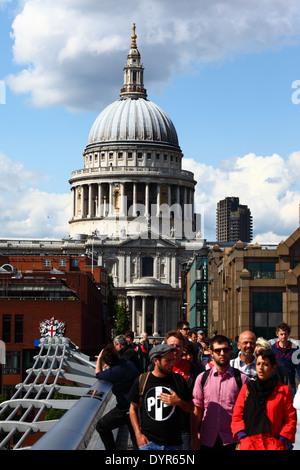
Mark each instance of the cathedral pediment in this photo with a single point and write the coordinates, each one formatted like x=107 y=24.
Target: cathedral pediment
x=149 y=239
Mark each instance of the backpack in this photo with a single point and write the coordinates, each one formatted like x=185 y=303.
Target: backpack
x=237 y=376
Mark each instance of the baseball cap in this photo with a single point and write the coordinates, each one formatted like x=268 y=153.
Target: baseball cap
x=161 y=350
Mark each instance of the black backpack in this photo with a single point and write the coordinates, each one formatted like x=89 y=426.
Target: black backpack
x=237 y=375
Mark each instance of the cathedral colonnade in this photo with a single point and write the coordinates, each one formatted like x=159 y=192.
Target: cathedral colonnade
x=151 y=313
x=104 y=199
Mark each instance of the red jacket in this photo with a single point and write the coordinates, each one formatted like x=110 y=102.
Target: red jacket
x=281 y=413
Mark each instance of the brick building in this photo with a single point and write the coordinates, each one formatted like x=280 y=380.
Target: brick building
x=36 y=288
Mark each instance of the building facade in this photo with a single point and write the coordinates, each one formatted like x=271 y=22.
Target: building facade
x=44 y=295
x=234 y=221
x=254 y=287
x=194 y=303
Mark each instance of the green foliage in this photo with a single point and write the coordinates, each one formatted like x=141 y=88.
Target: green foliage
x=111 y=302
x=122 y=319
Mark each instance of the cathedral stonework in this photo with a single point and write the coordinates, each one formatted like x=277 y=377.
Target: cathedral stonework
x=135 y=203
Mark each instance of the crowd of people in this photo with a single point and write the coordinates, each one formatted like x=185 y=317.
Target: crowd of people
x=196 y=393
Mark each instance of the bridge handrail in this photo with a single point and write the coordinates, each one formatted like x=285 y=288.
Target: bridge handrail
x=74 y=430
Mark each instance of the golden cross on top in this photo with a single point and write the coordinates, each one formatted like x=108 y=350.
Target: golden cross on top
x=133 y=37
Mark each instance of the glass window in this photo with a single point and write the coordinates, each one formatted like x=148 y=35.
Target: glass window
x=6 y=328
x=266 y=312
x=263 y=270
x=13 y=362
x=19 y=329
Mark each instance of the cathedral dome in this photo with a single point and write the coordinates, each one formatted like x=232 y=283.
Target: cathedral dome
x=133 y=119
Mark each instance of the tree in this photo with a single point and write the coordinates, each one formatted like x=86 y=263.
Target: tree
x=111 y=302
x=122 y=319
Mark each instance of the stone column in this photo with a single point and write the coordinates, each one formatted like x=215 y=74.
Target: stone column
x=73 y=194
x=133 y=315
x=90 y=202
x=134 y=200
x=82 y=201
x=110 y=199
x=100 y=208
x=146 y=199
x=143 y=314
x=122 y=200
x=158 y=200
x=155 y=317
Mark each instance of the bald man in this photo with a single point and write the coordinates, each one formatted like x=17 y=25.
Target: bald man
x=245 y=361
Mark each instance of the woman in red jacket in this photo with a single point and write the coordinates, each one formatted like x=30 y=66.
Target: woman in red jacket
x=263 y=416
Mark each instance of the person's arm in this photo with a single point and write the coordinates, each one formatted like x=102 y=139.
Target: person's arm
x=99 y=363
x=289 y=422
x=237 y=422
x=175 y=400
x=141 y=439
x=196 y=417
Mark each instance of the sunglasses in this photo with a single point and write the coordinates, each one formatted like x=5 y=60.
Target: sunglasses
x=186 y=329
x=219 y=350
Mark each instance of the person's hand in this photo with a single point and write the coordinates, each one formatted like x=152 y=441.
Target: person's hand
x=195 y=442
x=169 y=399
x=141 y=440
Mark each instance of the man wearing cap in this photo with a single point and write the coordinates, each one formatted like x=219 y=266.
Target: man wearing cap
x=163 y=396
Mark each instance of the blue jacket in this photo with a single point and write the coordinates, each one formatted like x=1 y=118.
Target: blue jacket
x=286 y=360
x=122 y=376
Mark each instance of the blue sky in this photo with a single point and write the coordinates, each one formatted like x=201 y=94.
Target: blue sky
x=222 y=70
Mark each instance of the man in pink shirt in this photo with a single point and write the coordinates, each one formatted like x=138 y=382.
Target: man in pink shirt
x=215 y=400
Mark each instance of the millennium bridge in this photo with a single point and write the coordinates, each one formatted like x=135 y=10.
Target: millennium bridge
x=86 y=399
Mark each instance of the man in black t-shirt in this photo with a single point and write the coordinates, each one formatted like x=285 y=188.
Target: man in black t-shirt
x=163 y=395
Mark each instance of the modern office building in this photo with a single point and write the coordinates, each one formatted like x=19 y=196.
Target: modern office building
x=194 y=297
x=234 y=221
x=254 y=287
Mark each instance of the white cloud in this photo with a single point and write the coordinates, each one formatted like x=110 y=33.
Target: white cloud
x=27 y=211
x=70 y=51
x=268 y=185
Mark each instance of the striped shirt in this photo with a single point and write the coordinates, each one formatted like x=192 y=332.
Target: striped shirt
x=248 y=369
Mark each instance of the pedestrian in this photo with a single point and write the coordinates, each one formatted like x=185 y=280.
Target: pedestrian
x=146 y=342
x=264 y=417
x=280 y=372
x=145 y=354
x=158 y=402
x=121 y=373
x=189 y=371
x=245 y=361
x=127 y=351
x=214 y=400
x=234 y=348
x=205 y=352
x=129 y=335
x=287 y=354
x=184 y=328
